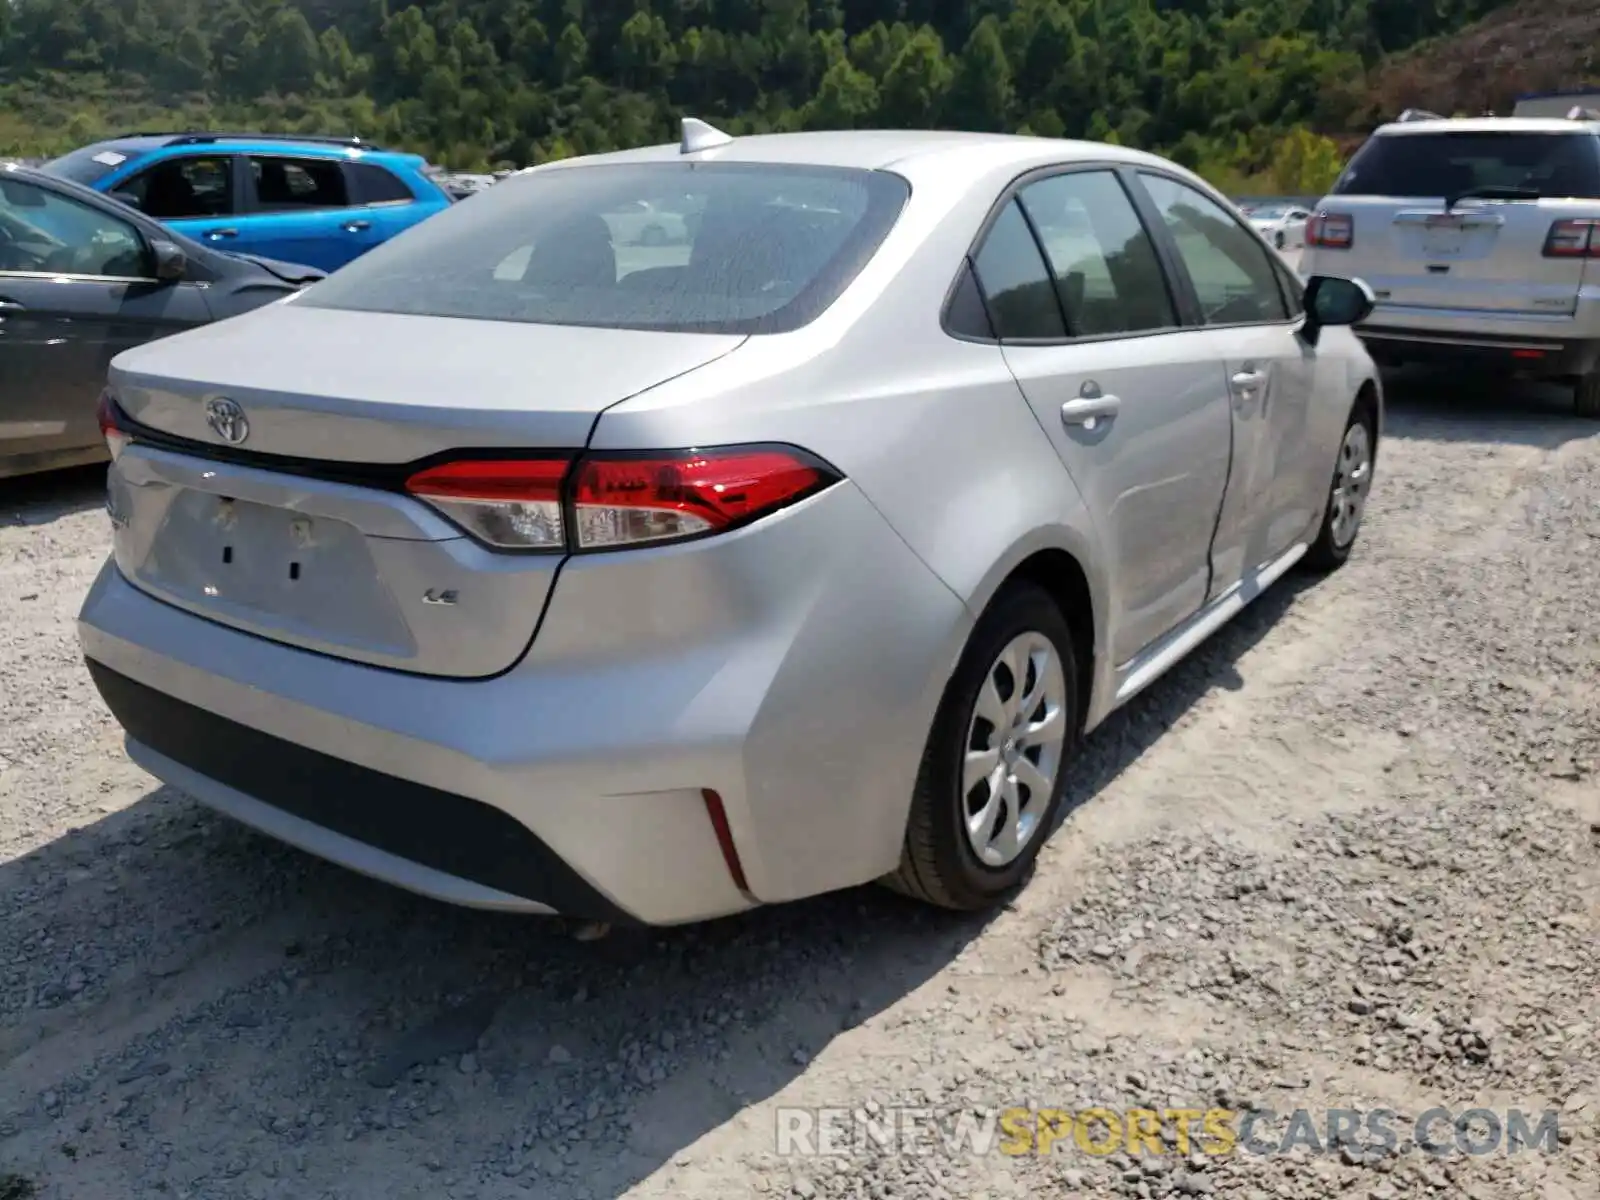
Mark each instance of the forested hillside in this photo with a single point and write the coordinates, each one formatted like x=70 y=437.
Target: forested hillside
x=1232 y=86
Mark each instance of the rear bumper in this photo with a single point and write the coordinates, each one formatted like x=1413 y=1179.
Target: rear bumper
x=1537 y=357
x=792 y=668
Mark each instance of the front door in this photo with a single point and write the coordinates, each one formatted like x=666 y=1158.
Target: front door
x=1242 y=296
x=76 y=289
x=195 y=194
x=1136 y=407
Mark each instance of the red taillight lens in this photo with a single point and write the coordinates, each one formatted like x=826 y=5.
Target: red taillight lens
x=1331 y=231
x=609 y=501
x=1579 y=238
x=626 y=500
x=514 y=504
x=110 y=428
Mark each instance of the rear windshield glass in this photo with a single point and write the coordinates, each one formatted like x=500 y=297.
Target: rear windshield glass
x=88 y=165
x=701 y=247
x=1449 y=164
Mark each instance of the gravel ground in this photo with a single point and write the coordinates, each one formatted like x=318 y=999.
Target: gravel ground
x=1346 y=856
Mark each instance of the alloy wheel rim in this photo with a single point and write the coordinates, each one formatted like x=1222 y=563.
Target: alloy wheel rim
x=1013 y=753
x=1351 y=480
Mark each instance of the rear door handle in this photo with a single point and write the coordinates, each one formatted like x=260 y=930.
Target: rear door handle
x=356 y=226
x=1245 y=380
x=11 y=306
x=219 y=234
x=1087 y=410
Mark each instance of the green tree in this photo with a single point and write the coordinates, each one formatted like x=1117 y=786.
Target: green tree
x=917 y=81
x=982 y=94
x=846 y=99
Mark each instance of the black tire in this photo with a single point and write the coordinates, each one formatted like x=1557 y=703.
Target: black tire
x=1326 y=554
x=937 y=864
x=1586 y=401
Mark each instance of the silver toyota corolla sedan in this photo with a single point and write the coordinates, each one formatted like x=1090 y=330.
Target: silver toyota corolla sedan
x=532 y=564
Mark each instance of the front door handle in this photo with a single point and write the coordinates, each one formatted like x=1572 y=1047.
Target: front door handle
x=216 y=235
x=1087 y=410
x=357 y=226
x=11 y=306
x=1247 y=380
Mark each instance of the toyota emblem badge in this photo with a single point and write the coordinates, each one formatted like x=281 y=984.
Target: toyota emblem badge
x=227 y=420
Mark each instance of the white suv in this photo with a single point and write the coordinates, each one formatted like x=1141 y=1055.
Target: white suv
x=1481 y=241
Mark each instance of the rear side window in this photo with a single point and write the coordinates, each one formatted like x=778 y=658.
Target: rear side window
x=1557 y=165
x=1103 y=260
x=694 y=247
x=374 y=185
x=286 y=184
x=1014 y=277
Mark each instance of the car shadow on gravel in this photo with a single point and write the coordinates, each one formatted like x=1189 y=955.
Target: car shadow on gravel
x=329 y=1024
x=40 y=499
x=1446 y=407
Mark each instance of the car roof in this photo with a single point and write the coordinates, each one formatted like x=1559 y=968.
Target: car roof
x=876 y=149
x=1489 y=125
x=142 y=144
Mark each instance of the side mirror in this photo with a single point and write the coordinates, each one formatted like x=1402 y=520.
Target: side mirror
x=1332 y=301
x=170 y=262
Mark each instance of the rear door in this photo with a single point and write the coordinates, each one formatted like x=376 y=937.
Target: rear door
x=75 y=290
x=1136 y=407
x=1271 y=374
x=298 y=209
x=382 y=200
x=1417 y=250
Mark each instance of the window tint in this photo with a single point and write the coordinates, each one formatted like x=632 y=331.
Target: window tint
x=374 y=185
x=183 y=187
x=43 y=233
x=1232 y=271
x=285 y=184
x=713 y=247
x=1022 y=299
x=1103 y=260
x=966 y=315
x=1448 y=164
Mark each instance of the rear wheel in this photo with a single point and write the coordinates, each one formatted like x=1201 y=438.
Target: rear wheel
x=1587 y=399
x=994 y=769
x=1347 y=497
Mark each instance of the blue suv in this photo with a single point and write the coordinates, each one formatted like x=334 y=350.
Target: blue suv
x=317 y=201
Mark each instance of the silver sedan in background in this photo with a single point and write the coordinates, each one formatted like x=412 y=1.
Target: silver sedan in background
x=533 y=568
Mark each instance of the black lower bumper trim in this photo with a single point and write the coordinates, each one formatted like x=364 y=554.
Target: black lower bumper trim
x=1535 y=357
x=450 y=833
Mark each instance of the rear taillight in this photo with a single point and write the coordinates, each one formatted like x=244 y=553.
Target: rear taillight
x=1331 y=231
x=511 y=503
x=616 y=500
x=1576 y=238
x=110 y=426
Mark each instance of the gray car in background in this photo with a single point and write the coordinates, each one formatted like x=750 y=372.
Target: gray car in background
x=83 y=278
x=535 y=571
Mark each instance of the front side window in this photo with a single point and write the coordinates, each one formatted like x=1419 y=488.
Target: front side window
x=177 y=188
x=694 y=247
x=1103 y=260
x=43 y=233
x=287 y=184
x=1231 y=270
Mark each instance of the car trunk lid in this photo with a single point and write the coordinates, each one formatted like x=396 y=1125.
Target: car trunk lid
x=301 y=531
x=1478 y=256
